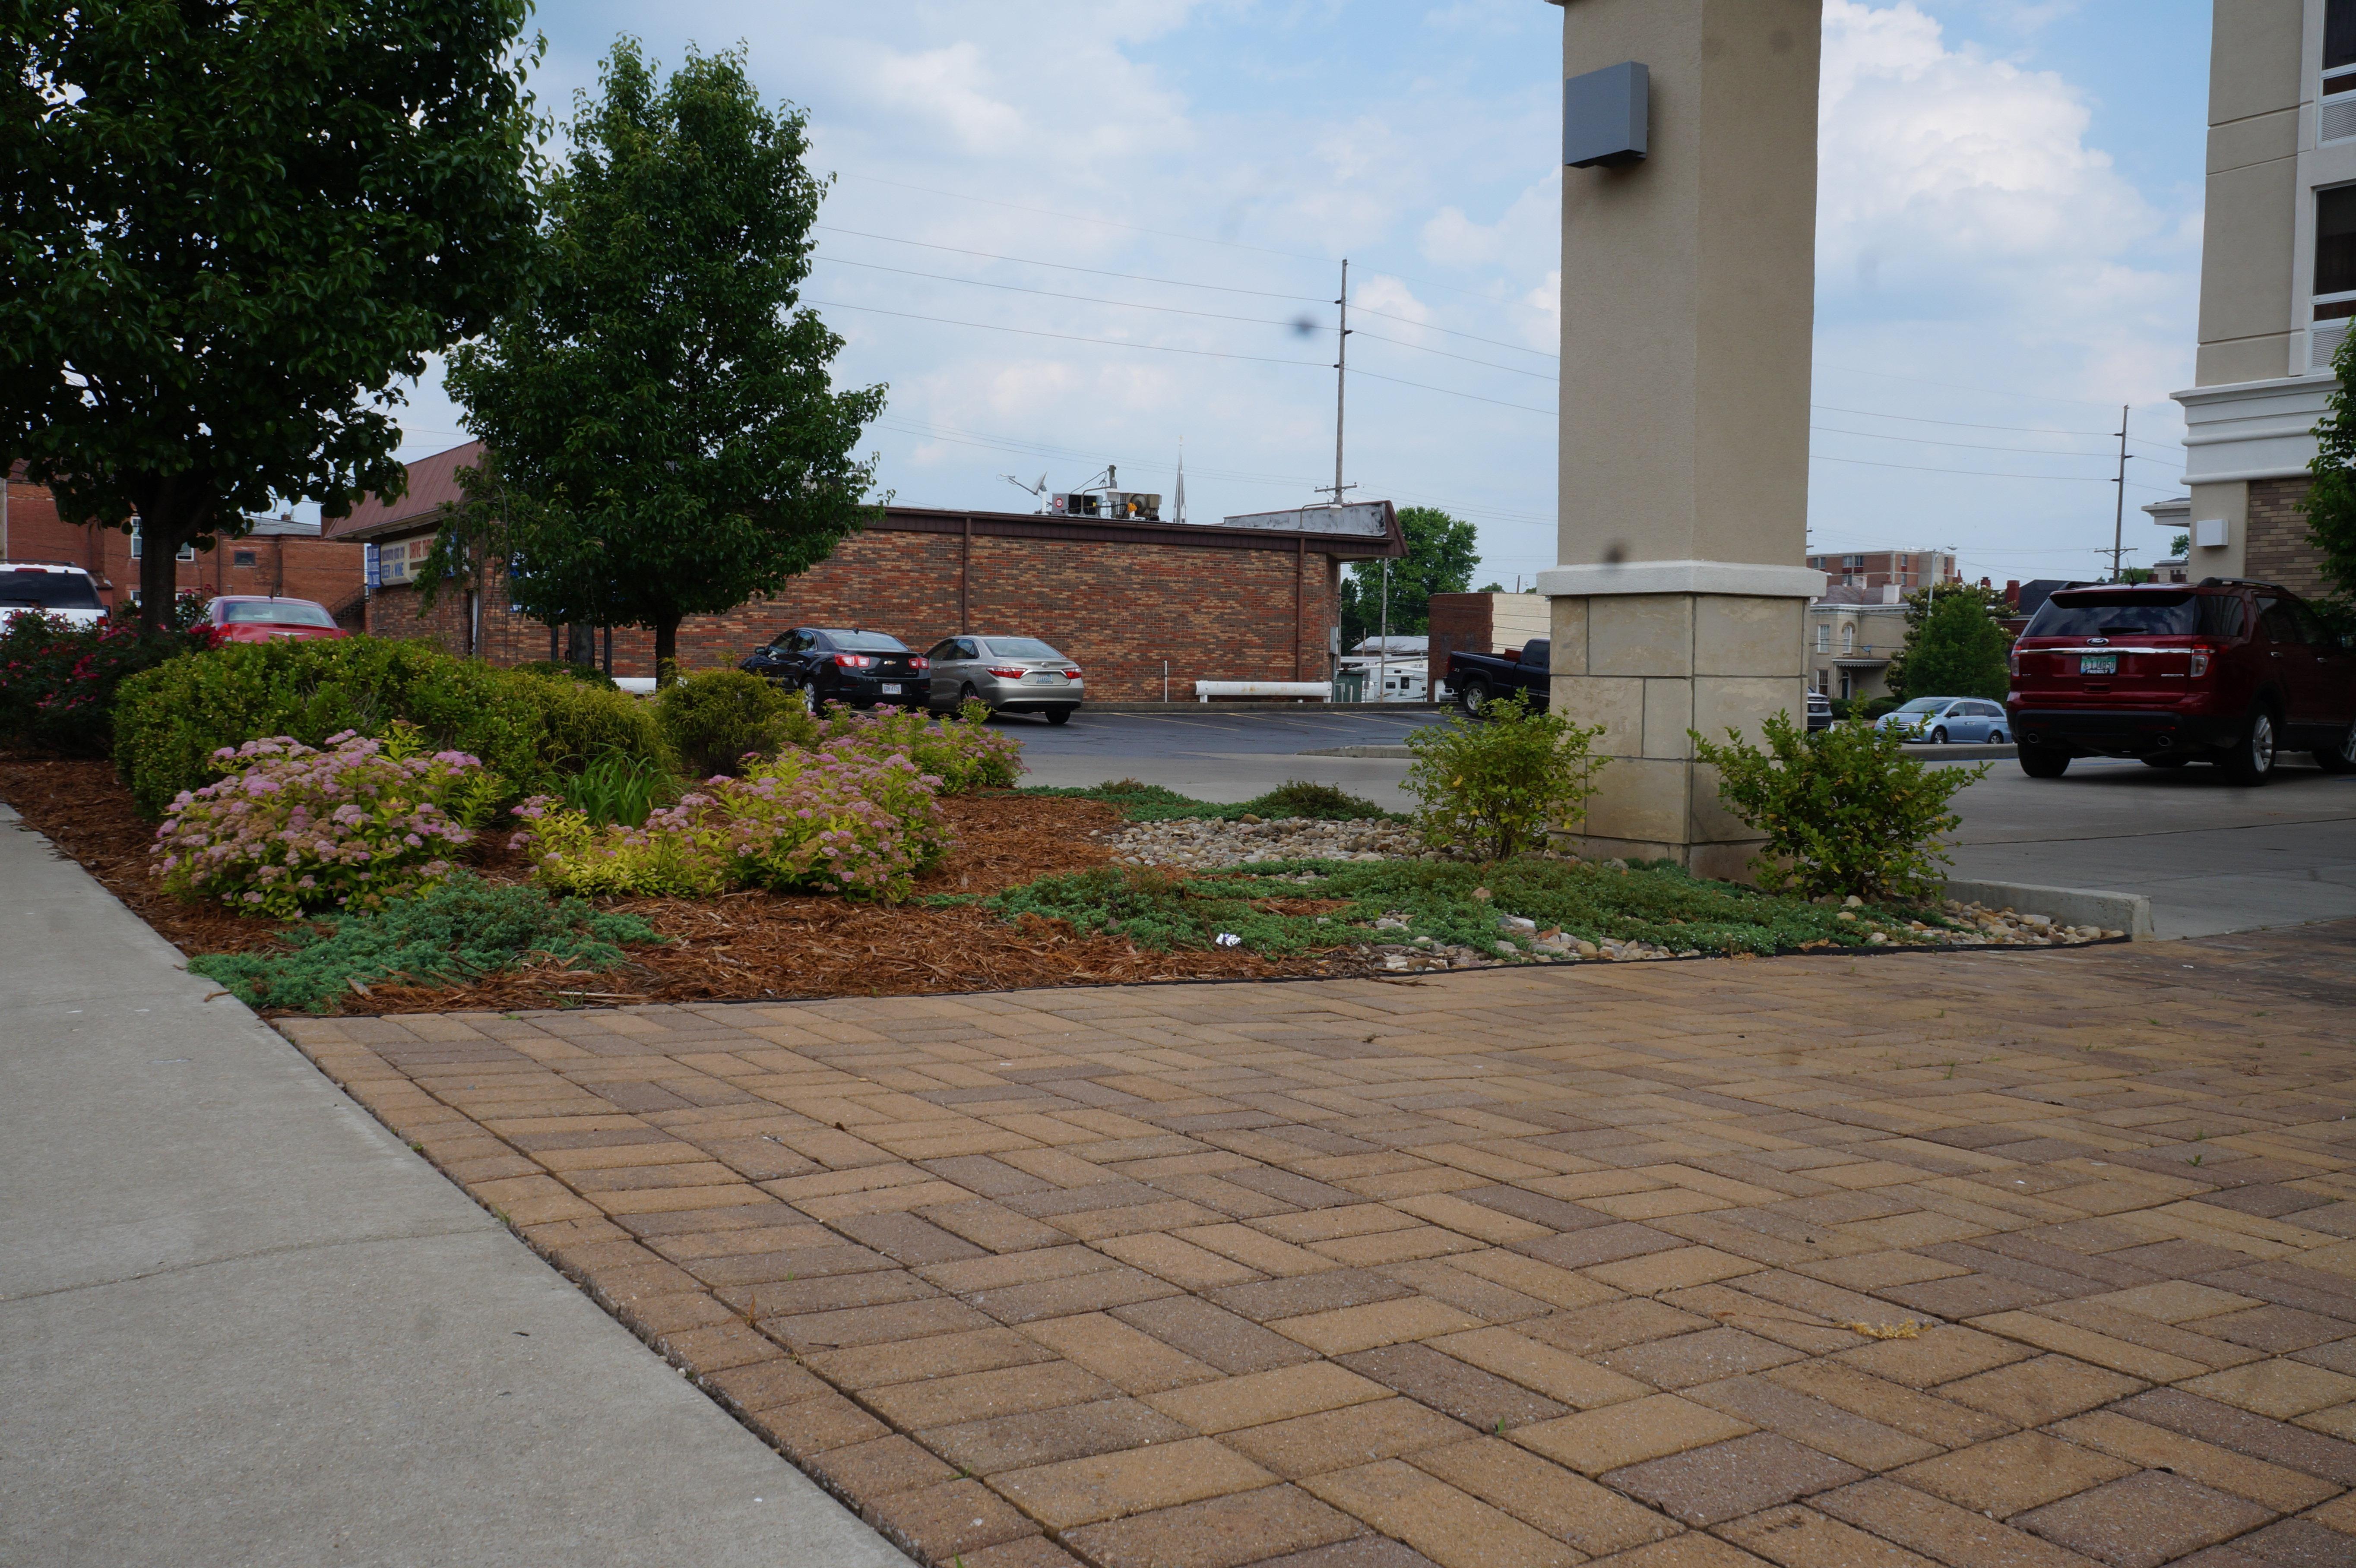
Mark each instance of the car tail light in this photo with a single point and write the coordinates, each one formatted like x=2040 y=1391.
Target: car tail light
x=856 y=661
x=1072 y=674
x=2200 y=662
x=2014 y=660
x=920 y=662
x=1011 y=672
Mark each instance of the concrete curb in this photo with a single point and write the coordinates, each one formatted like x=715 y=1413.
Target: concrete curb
x=1400 y=752
x=1962 y=753
x=2130 y=913
x=1250 y=705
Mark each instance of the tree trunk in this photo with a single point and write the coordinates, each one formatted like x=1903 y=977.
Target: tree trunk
x=581 y=644
x=159 y=549
x=666 y=650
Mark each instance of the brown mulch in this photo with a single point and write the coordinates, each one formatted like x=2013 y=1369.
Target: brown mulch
x=749 y=946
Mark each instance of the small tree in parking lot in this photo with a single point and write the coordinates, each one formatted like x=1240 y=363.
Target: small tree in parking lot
x=1845 y=810
x=1497 y=785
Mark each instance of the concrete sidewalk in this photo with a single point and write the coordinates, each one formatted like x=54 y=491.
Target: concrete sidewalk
x=244 y=1325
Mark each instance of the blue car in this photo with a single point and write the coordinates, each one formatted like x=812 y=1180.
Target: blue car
x=1940 y=720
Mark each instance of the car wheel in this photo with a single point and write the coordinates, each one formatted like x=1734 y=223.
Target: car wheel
x=2044 y=761
x=1473 y=697
x=2252 y=760
x=1938 y=736
x=1996 y=738
x=1059 y=716
x=966 y=694
x=2167 y=761
x=2339 y=760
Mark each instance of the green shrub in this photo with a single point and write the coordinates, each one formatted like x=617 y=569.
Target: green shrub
x=1869 y=708
x=966 y=755
x=1496 y=784
x=171 y=722
x=587 y=674
x=580 y=724
x=714 y=719
x=1845 y=810
x=1325 y=803
x=463 y=928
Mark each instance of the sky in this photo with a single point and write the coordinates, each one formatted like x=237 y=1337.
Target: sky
x=1074 y=233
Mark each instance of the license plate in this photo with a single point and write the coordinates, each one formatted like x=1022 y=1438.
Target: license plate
x=2098 y=664
x=891 y=689
x=1048 y=679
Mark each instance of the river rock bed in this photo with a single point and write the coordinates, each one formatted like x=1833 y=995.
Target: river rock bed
x=1205 y=843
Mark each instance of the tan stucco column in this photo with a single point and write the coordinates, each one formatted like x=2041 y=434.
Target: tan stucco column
x=1688 y=306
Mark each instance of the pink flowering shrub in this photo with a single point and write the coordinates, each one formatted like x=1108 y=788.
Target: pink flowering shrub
x=293 y=827
x=845 y=819
x=58 y=681
x=964 y=755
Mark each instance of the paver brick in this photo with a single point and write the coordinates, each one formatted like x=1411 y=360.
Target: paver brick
x=1220 y=1532
x=1720 y=1481
x=1135 y=1480
x=1453 y=1528
x=1193 y=1238
x=2146 y=1519
x=1595 y=1441
x=2013 y=1474
x=1797 y=1536
x=1257 y=1398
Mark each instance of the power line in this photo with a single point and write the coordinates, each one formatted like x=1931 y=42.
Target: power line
x=1965 y=445
x=1083 y=218
x=1550 y=377
x=1967 y=424
x=1451 y=391
x=1991 y=392
x=1054 y=294
x=1494 y=342
x=1074 y=338
x=1069 y=267
x=1977 y=472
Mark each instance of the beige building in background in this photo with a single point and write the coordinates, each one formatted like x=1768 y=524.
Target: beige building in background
x=2277 y=281
x=1687 y=308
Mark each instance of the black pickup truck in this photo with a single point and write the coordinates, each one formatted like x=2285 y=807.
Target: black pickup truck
x=1476 y=678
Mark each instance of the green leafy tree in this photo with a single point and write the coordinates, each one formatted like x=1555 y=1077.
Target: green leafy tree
x=2180 y=547
x=227 y=230
x=666 y=439
x=1441 y=552
x=2332 y=501
x=1918 y=606
x=1957 y=651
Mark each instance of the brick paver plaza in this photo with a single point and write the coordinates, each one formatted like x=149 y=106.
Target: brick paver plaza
x=1994 y=1261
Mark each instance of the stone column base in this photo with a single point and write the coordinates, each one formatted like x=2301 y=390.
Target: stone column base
x=1649 y=666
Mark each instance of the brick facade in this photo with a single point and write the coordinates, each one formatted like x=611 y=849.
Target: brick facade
x=2277 y=549
x=1220 y=609
x=292 y=564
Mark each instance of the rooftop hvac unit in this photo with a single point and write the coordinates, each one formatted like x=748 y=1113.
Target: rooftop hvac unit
x=1076 y=503
x=1139 y=506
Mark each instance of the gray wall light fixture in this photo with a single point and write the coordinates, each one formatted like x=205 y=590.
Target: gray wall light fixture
x=1604 y=115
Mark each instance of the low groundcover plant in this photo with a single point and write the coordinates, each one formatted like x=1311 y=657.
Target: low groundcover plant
x=457 y=931
x=294 y=829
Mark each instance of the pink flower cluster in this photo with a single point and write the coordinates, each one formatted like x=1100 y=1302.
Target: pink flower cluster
x=844 y=818
x=293 y=827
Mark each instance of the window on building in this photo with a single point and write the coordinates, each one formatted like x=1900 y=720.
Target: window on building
x=1853 y=562
x=1824 y=638
x=242 y=558
x=2339 y=47
x=1848 y=639
x=2335 y=252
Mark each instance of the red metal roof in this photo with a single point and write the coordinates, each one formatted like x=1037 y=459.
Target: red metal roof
x=433 y=482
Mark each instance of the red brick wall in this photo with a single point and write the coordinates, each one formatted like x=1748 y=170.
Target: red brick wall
x=2277 y=549
x=292 y=566
x=1117 y=609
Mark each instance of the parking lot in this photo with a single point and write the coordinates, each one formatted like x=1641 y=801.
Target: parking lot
x=2211 y=858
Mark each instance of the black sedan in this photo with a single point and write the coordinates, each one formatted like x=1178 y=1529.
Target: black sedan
x=855 y=667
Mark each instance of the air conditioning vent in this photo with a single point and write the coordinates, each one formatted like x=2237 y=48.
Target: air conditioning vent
x=2337 y=121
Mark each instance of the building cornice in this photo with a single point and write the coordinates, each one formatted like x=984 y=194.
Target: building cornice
x=1737 y=579
x=2253 y=430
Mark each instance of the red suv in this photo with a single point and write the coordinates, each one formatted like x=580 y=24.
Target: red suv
x=2227 y=672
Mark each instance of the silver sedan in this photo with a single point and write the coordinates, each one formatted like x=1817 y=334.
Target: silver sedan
x=1013 y=674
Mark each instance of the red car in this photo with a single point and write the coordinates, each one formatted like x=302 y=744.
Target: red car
x=251 y=618
x=2225 y=671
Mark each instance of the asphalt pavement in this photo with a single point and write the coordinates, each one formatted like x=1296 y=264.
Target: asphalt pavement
x=2211 y=857
x=245 y=1325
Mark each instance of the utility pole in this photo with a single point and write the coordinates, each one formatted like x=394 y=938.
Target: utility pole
x=2119 y=513
x=1341 y=397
